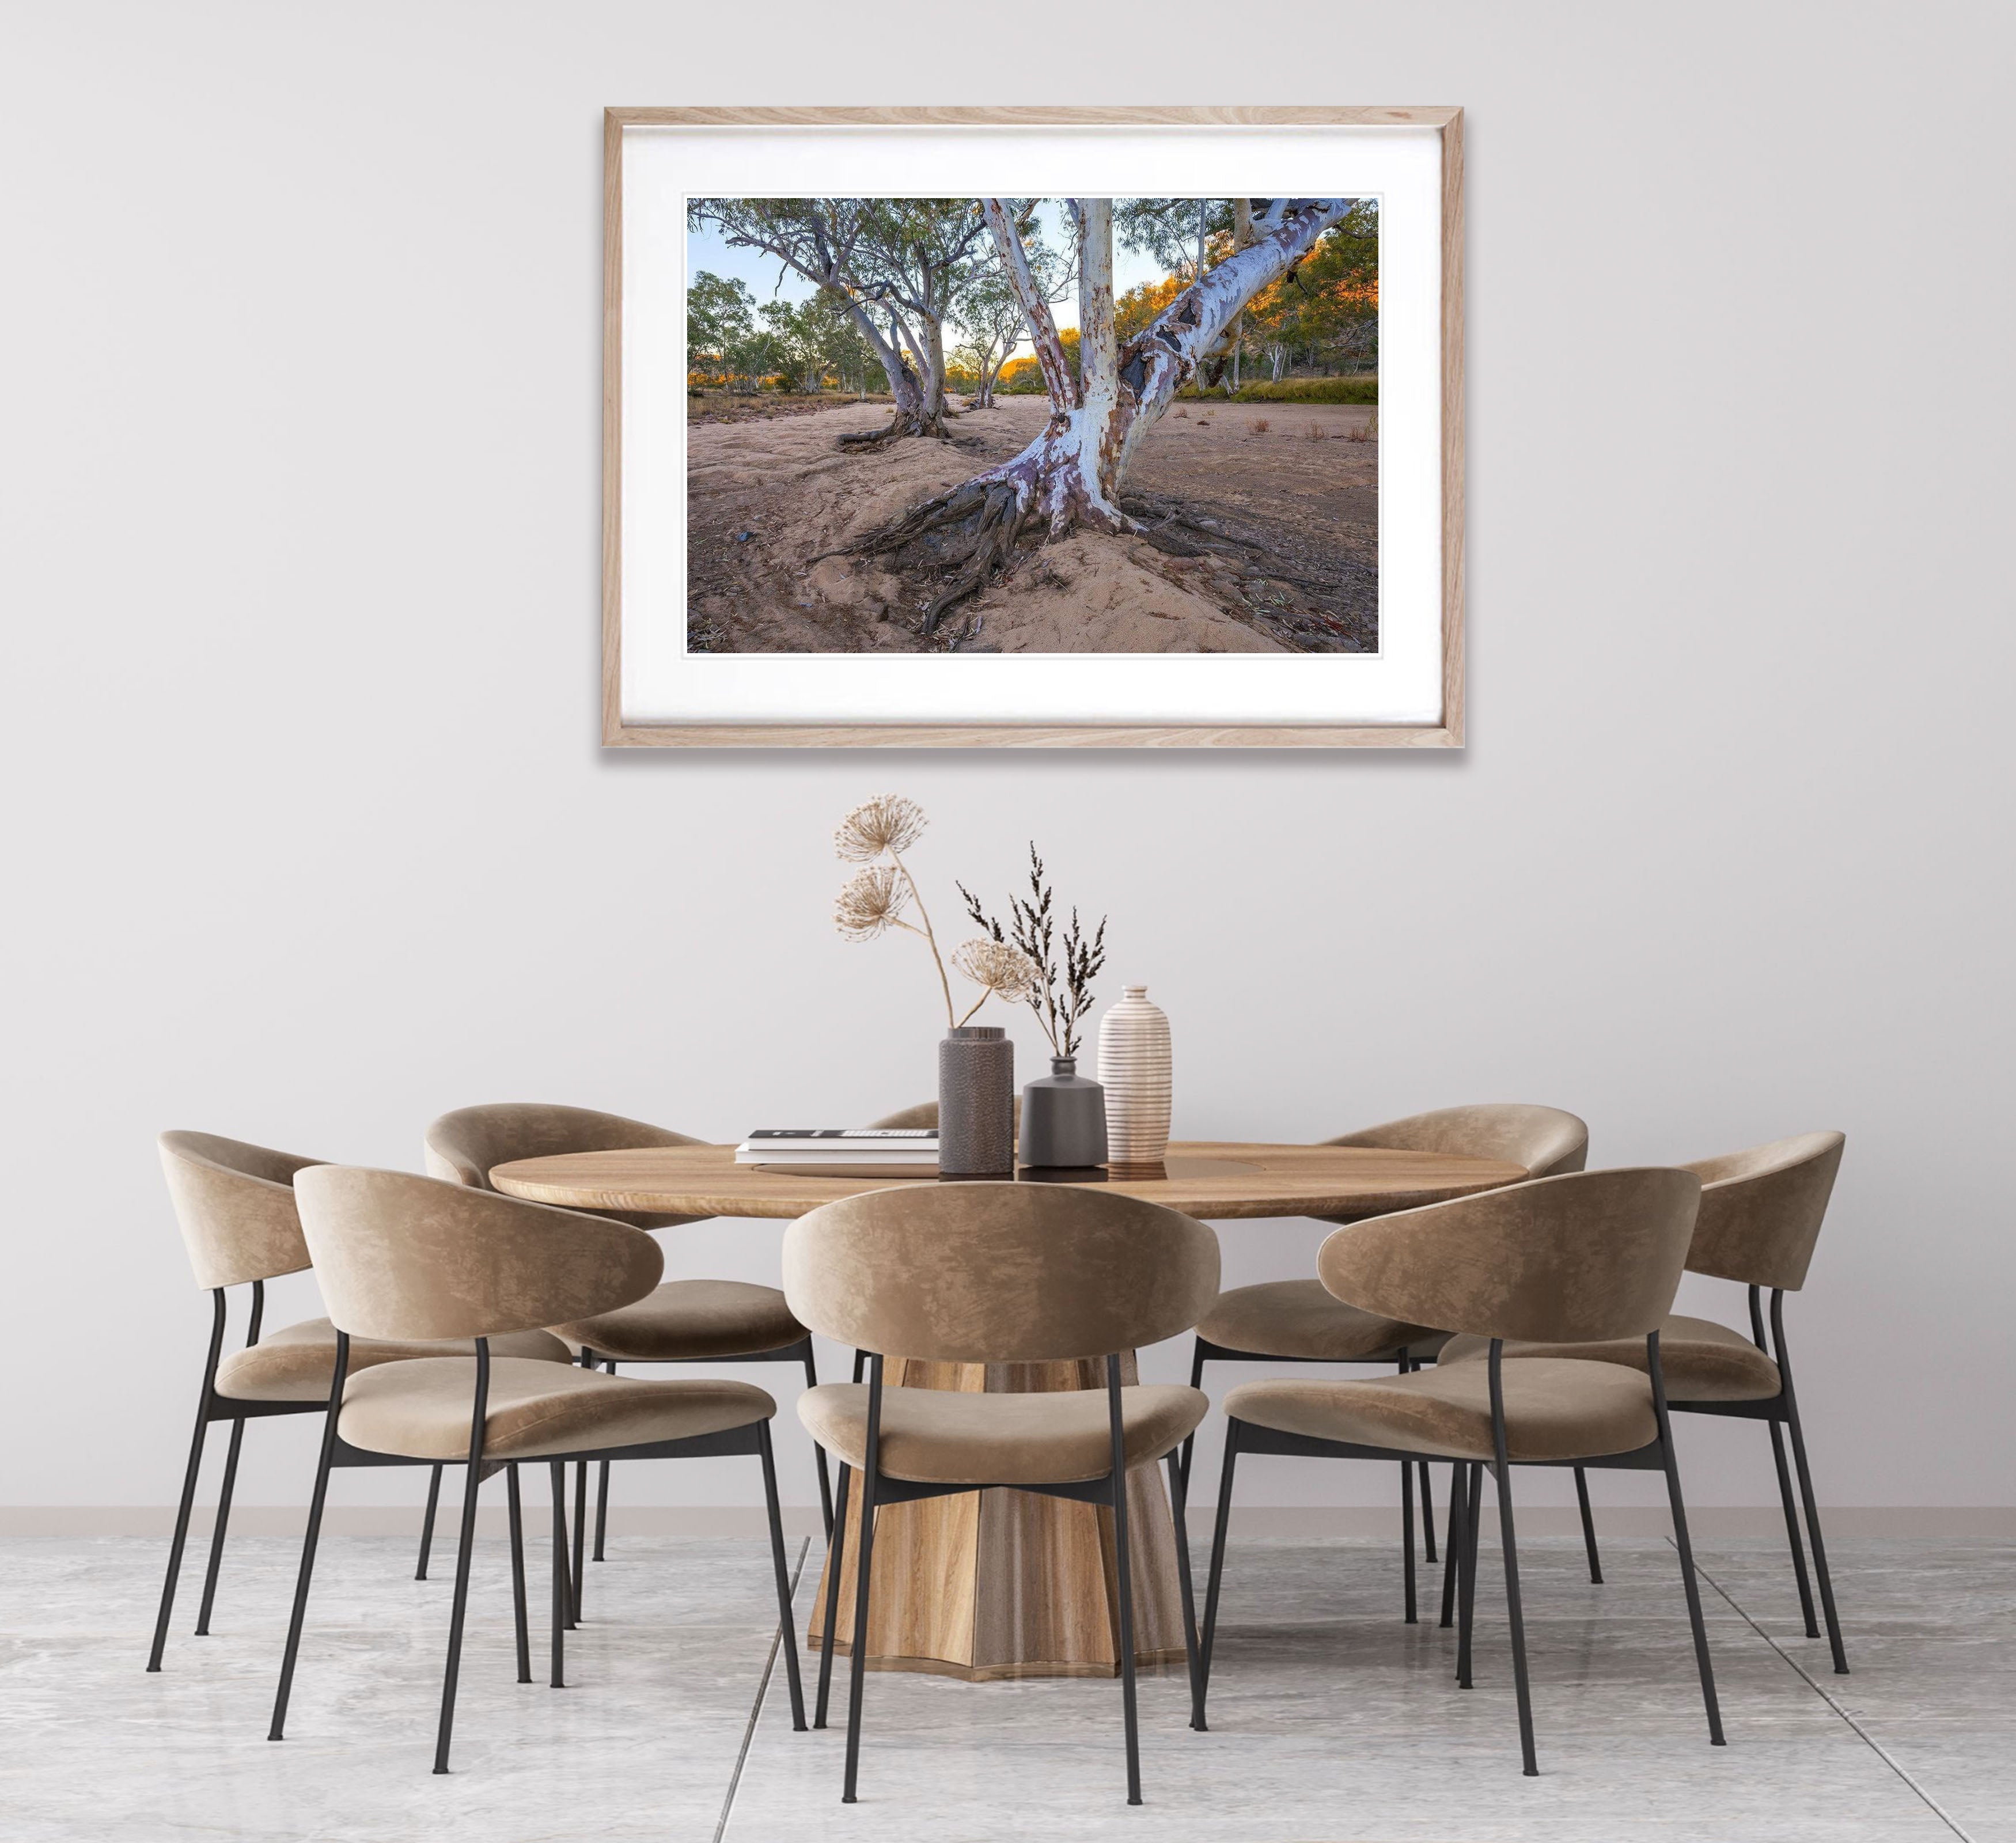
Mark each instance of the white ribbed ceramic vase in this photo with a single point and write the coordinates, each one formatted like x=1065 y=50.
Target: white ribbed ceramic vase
x=1134 y=1071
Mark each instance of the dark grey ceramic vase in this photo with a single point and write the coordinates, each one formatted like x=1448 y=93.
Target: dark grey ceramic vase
x=977 y=1103
x=1063 y=1119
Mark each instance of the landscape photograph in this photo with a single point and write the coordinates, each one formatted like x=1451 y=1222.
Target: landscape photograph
x=1032 y=425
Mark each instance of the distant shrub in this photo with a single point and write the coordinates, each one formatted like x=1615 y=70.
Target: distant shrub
x=1307 y=389
x=1261 y=425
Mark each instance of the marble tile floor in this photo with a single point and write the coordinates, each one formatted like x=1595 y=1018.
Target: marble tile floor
x=1332 y=1722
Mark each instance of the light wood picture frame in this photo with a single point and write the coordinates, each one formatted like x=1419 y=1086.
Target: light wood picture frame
x=631 y=721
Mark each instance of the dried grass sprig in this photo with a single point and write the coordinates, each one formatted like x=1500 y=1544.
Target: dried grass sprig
x=1060 y=996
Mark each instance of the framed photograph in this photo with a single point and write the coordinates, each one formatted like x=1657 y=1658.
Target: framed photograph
x=1152 y=437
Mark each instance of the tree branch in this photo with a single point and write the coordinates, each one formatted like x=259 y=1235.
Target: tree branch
x=1035 y=310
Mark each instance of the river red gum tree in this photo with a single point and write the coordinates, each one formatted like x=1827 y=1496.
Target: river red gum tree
x=1070 y=475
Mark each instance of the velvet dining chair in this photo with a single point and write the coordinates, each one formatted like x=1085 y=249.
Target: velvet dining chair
x=1298 y=1321
x=683 y=1321
x=1761 y=1212
x=405 y=1257
x=987 y=1273
x=1583 y=1257
x=234 y=1202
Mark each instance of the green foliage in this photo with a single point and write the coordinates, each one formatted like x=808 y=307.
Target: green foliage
x=720 y=311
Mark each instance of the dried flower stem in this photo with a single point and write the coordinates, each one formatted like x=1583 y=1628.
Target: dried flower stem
x=930 y=939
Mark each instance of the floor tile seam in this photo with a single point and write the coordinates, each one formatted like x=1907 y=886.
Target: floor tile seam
x=762 y=1689
x=1856 y=1727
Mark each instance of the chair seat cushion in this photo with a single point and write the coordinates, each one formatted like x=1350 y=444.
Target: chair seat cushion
x=1701 y=1360
x=1301 y=1318
x=1555 y=1409
x=299 y=1363
x=691 y=1318
x=932 y=1436
x=421 y=1409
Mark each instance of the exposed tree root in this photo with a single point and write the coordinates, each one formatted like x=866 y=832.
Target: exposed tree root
x=902 y=423
x=993 y=512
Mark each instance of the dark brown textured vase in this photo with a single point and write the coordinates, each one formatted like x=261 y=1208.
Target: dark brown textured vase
x=977 y=1103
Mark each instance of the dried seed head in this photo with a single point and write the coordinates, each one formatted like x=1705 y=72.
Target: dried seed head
x=888 y=822
x=1005 y=971
x=870 y=901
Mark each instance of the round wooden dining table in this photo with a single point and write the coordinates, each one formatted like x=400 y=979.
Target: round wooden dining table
x=1003 y=1583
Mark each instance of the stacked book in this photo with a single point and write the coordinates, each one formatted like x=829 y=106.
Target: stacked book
x=844 y=1151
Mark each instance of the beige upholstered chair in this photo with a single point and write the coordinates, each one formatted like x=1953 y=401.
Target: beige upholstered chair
x=401 y=1257
x=981 y=1273
x=684 y=1321
x=1761 y=1212
x=1590 y=1256
x=236 y=1204
x=1297 y=1321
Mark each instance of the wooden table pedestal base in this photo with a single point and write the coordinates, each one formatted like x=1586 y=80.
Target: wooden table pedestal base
x=996 y=1584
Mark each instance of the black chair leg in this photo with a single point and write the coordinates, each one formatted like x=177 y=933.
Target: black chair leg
x=857 y=1660
x=562 y=1584
x=465 y=1553
x=836 y=1556
x=1123 y=1568
x=1197 y=1381
x=1514 y=1613
x=818 y=1452
x=1588 y=1526
x=218 y=1529
x=1685 y=1547
x=1453 y=1546
x=1428 y=1518
x=427 y=1523
x=602 y=1487
x=1407 y=1539
x=1792 y=1537
x=1208 y=1636
x=588 y=1360
x=601 y=1508
x=1178 y=1515
x=310 y=1538
x=1466 y=1616
x=1821 y=1576
x=1123 y=1573
x=787 y=1635
x=520 y=1623
x=179 y=1541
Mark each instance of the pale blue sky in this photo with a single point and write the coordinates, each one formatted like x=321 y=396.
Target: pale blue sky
x=705 y=250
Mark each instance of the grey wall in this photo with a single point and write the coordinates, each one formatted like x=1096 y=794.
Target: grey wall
x=311 y=837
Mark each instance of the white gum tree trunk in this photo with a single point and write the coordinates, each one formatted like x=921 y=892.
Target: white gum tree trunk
x=1071 y=474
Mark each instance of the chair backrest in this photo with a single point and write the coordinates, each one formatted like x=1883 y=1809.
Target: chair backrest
x=998 y=1272
x=924 y=1113
x=1546 y=1140
x=400 y=1256
x=1760 y=1210
x=236 y=1204
x=1574 y=1259
x=463 y=1146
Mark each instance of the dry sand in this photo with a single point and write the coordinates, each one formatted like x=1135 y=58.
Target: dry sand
x=1300 y=516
